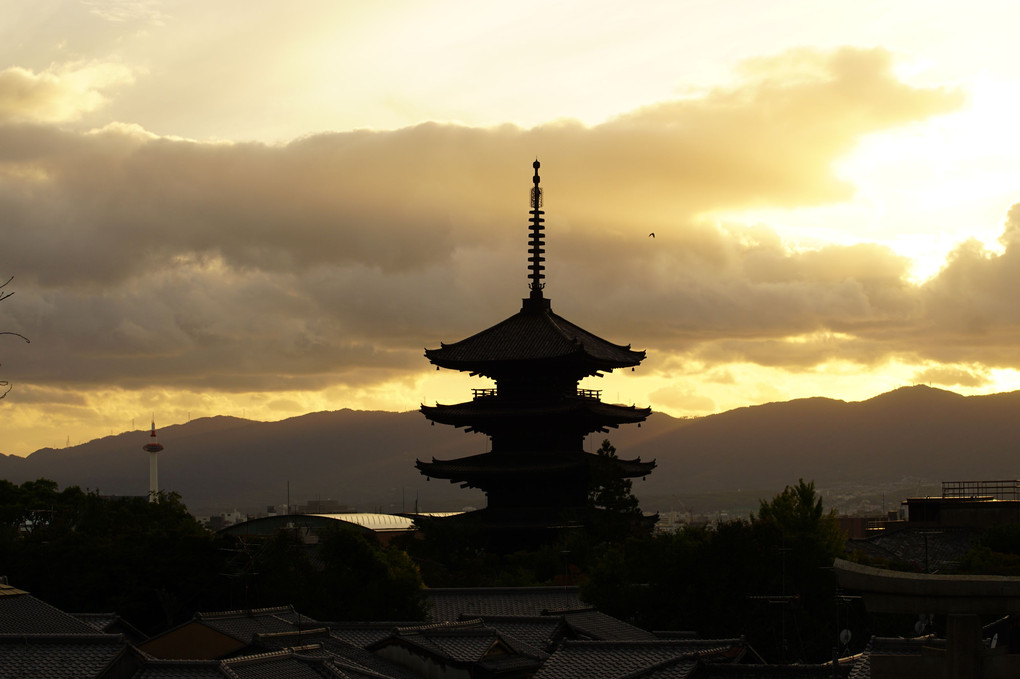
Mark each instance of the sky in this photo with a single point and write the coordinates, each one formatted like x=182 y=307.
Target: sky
x=263 y=209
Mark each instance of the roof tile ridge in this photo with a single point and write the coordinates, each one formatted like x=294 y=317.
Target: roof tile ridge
x=243 y=612
x=310 y=631
x=465 y=624
x=557 y=321
x=659 y=665
x=11 y=590
x=256 y=657
x=625 y=642
x=342 y=663
x=367 y=624
x=565 y=611
x=560 y=319
x=62 y=636
x=509 y=617
x=528 y=589
x=153 y=660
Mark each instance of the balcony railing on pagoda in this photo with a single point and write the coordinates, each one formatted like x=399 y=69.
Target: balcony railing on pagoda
x=594 y=394
x=482 y=393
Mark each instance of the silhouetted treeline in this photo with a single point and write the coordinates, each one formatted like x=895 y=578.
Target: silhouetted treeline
x=150 y=562
x=155 y=565
x=767 y=578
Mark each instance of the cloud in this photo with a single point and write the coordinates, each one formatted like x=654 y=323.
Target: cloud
x=333 y=259
x=58 y=94
x=122 y=11
x=683 y=399
x=954 y=376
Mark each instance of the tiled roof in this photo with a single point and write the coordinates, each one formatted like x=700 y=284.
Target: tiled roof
x=715 y=671
x=619 y=659
x=540 y=631
x=502 y=465
x=592 y=624
x=861 y=669
x=916 y=545
x=56 y=656
x=363 y=634
x=352 y=659
x=660 y=659
x=449 y=604
x=459 y=645
x=111 y=623
x=99 y=621
x=179 y=669
x=22 y=613
x=494 y=411
x=468 y=643
x=682 y=667
x=244 y=625
x=279 y=665
x=533 y=335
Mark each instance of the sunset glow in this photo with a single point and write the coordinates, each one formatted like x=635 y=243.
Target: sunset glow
x=260 y=210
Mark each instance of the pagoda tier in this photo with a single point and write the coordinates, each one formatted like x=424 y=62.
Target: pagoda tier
x=509 y=419
x=528 y=481
x=533 y=340
x=489 y=469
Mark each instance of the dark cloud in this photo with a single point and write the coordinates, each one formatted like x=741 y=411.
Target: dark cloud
x=334 y=259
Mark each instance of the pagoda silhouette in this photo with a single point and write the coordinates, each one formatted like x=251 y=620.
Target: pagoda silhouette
x=536 y=475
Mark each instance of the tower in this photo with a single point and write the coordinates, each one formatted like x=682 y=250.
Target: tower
x=153 y=447
x=536 y=473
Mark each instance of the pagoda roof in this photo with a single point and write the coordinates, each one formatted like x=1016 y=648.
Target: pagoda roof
x=507 y=466
x=535 y=333
x=493 y=409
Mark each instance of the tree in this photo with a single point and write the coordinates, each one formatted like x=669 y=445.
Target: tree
x=767 y=578
x=347 y=575
x=798 y=514
x=152 y=563
x=609 y=490
x=5 y=386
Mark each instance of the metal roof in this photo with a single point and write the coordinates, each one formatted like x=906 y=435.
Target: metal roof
x=380 y=523
x=377 y=523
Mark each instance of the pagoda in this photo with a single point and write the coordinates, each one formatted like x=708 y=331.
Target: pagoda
x=536 y=474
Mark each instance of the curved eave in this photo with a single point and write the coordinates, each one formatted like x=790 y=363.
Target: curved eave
x=533 y=336
x=634 y=468
x=491 y=466
x=580 y=362
x=480 y=470
x=481 y=413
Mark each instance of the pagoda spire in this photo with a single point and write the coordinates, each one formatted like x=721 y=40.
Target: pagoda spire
x=537 y=243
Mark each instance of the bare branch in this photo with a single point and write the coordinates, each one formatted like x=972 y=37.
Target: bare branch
x=9 y=332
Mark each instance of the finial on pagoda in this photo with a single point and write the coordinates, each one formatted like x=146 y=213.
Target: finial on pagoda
x=536 y=250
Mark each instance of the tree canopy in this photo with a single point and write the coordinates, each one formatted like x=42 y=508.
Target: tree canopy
x=151 y=562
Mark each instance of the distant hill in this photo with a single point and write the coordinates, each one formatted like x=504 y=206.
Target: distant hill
x=914 y=437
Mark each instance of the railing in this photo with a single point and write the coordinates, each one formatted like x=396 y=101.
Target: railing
x=1000 y=490
x=595 y=394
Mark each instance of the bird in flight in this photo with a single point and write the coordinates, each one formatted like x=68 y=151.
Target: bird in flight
x=651 y=235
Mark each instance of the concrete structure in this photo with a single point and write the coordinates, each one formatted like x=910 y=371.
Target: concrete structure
x=963 y=599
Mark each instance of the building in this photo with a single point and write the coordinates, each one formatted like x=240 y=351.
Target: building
x=536 y=474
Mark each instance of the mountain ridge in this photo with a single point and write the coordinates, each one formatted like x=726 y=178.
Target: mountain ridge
x=914 y=436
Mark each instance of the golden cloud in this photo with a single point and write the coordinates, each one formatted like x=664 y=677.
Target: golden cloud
x=335 y=258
